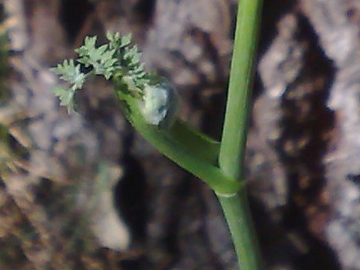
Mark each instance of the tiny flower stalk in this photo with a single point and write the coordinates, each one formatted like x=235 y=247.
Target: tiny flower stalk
x=150 y=103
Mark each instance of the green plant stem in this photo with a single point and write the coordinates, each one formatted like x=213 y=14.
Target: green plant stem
x=237 y=215
x=240 y=88
x=232 y=148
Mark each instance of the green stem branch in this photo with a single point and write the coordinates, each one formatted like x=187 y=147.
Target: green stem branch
x=232 y=148
x=240 y=87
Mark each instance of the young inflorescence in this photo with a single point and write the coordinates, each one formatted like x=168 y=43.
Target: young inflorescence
x=118 y=60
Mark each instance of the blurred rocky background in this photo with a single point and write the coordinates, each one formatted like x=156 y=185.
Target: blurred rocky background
x=84 y=191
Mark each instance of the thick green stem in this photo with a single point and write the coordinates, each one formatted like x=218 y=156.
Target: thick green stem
x=238 y=218
x=232 y=148
x=240 y=86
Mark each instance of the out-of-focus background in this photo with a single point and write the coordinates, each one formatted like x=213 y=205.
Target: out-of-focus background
x=84 y=191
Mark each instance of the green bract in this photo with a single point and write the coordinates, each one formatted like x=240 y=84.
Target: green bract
x=159 y=104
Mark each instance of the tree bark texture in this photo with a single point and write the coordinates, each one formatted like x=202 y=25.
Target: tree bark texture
x=303 y=151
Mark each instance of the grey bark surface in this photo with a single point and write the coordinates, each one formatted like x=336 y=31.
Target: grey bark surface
x=92 y=194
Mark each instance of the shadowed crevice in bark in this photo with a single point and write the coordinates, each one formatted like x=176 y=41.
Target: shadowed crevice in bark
x=73 y=14
x=306 y=123
x=145 y=11
x=272 y=11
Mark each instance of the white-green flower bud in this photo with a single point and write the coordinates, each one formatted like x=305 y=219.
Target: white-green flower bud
x=159 y=104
